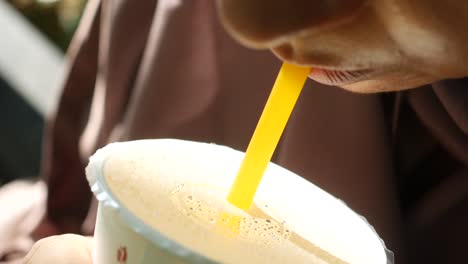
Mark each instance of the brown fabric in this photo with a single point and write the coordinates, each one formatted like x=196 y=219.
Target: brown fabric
x=62 y=163
x=153 y=69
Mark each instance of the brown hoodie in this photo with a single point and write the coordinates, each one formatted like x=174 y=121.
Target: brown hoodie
x=155 y=69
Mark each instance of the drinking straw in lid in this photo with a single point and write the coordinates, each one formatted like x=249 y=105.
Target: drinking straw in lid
x=278 y=108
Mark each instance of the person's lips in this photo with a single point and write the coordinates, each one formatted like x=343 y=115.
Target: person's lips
x=338 y=77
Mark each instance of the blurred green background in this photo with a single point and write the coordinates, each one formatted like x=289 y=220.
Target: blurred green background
x=57 y=19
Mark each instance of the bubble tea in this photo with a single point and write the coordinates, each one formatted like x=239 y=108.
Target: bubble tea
x=164 y=201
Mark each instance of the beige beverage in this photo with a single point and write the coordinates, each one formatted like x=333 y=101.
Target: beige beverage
x=179 y=189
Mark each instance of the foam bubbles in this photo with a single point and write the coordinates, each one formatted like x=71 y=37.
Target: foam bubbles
x=207 y=207
x=263 y=231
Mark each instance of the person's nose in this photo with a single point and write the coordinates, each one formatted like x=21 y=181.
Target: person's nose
x=267 y=23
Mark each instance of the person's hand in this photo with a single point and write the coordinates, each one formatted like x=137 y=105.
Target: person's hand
x=70 y=249
x=360 y=45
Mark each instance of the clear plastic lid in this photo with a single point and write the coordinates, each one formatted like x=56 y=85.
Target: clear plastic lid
x=96 y=179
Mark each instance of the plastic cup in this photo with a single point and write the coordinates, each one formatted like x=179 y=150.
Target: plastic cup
x=122 y=236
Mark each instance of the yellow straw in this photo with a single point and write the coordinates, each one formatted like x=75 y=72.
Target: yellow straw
x=278 y=108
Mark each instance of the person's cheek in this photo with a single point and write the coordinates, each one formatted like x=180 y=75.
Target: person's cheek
x=267 y=23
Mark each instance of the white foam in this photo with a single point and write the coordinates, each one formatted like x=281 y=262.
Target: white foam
x=179 y=188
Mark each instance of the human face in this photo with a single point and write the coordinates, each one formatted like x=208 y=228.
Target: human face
x=360 y=45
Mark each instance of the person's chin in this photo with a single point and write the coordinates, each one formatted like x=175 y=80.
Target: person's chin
x=389 y=84
x=371 y=86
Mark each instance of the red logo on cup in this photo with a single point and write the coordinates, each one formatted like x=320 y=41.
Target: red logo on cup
x=122 y=255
